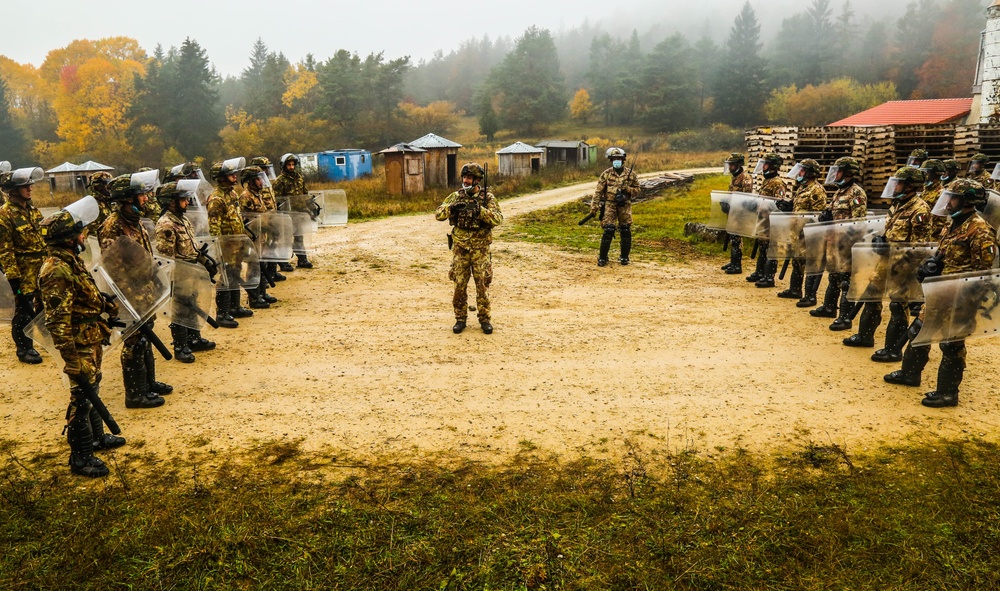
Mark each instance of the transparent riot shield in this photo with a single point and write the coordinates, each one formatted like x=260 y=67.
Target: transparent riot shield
x=198 y=216
x=718 y=210
x=814 y=242
x=221 y=280
x=273 y=234
x=200 y=190
x=307 y=204
x=192 y=296
x=240 y=262
x=904 y=260
x=960 y=306
x=47 y=211
x=41 y=336
x=333 y=207
x=92 y=252
x=786 y=235
x=303 y=228
x=743 y=214
x=844 y=234
x=991 y=213
x=869 y=269
x=141 y=282
x=765 y=208
x=6 y=300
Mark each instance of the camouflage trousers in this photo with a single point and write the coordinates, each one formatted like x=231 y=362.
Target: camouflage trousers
x=90 y=367
x=620 y=215
x=478 y=265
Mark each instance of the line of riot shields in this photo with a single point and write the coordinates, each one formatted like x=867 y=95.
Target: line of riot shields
x=956 y=306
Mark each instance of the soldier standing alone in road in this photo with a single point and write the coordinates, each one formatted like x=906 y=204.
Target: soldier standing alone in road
x=616 y=187
x=474 y=212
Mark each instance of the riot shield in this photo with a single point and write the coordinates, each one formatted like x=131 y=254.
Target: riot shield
x=844 y=234
x=787 y=239
x=743 y=214
x=960 y=306
x=141 y=282
x=192 y=296
x=6 y=300
x=92 y=252
x=904 y=259
x=991 y=213
x=814 y=242
x=718 y=211
x=200 y=190
x=765 y=208
x=333 y=207
x=198 y=216
x=303 y=228
x=273 y=233
x=214 y=251
x=37 y=332
x=869 y=268
x=240 y=262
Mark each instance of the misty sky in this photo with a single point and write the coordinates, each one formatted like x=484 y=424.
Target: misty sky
x=227 y=29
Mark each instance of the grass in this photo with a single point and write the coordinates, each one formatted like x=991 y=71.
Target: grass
x=657 y=229
x=817 y=517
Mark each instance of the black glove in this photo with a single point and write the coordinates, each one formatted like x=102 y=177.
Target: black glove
x=724 y=206
x=880 y=245
x=458 y=206
x=621 y=198
x=826 y=215
x=785 y=205
x=15 y=286
x=931 y=267
x=750 y=205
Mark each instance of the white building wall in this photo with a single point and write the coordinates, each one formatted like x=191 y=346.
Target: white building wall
x=991 y=66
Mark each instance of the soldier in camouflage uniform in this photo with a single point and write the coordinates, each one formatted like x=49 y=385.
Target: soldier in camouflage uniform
x=226 y=219
x=185 y=171
x=151 y=209
x=934 y=170
x=474 y=212
x=968 y=245
x=129 y=193
x=4 y=168
x=175 y=239
x=252 y=199
x=21 y=253
x=73 y=316
x=849 y=202
x=291 y=182
x=909 y=221
x=772 y=186
x=741 y=182
x=917 y=158
x=270 y=204
x=99 y=190
x=980 y=169
x=616 y=187
x=809 y=195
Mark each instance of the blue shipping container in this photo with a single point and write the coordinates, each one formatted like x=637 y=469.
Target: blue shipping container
x=344 y=165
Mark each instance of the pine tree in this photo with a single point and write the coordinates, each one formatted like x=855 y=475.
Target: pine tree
x=13 y=146
x=194 y=118
x=740 y=89
x=528 y=83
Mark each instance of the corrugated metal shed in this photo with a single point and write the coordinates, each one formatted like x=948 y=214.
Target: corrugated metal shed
x=441 y=168
x=520 y=148
x=434 y=141
x=918 y=112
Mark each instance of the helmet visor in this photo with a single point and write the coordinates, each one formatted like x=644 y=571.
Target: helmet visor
x=4 y=166
x=796 y=171
x=234 y=165
x=26 y=176
x=145 y=182
x=199 y=189
x=831 y=176
x=759 y=169
x=84 y=211
x=941 y=206
x=265 y=181
x=913 y=162
x=995 y=175
x=893 y=187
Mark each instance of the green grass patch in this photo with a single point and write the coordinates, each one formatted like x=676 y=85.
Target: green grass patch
x=657 y=228
x=923 y=517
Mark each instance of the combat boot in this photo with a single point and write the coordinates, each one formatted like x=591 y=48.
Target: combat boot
x=760 y=270
x=914 y=361
x=181 y=342
x=286 y=267
x=486 y=326
x=275 y=275
x=81 y=444
x=768 y=279
x=155 y=387
x=262 y=293
x=809 y=295
x=136 y=393
x=794 y=291
x=843 y=322
x=87 y=465
x=626 y=248
x=256 y=301
x=735 y=266
x=102 y=441
x=222 y=317
x=198 y=343
x=236 y=309
x=829 y=307
x=949 y=378
x=303 y=262
x=606 y=238
x=870 y=318
x=459 y=326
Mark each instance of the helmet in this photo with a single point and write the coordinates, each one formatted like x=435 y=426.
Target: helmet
x=919 y=153
x=261 y=161
x=99 y=178
x=849 y=165
x=228 y=167
x=981 y=158
x=472 y=169
x=289 y=158
x=772 y=159
x=811 y=167
x=165 y=194
x=249 y=173
x=951 y=166
x=615 y=153
x=22 y=177
x=736 y=158
x=933 y=167
x=971 y=191
x=908 y=174
x=121 y=187
x=4 y=166
x=60 y=227
x=181 y=171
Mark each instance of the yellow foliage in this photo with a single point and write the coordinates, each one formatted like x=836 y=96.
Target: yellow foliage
x=825 y=103
x=439 y=117
x=299 y=82
x=581 y=107
x=243 y=133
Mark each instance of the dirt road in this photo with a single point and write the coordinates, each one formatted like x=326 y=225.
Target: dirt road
x=359 y=358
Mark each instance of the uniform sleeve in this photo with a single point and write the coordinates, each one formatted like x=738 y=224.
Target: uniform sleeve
x=107 y=234
x=491 y=213
x=633 y=189
x=216 y=213
x=983 y=249
x=443 y=211
x=921 y=227
x=57 y=297
x=166 y=240
x=859 y=204
x=600 y=193
x=7 y=261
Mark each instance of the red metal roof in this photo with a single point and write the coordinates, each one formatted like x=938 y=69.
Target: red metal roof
x=910 y=113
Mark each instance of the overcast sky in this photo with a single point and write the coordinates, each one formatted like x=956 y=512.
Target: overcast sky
x=227 y=29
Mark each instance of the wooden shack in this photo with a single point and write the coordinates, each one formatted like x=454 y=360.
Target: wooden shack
x=520 y=159
x=404 y=169
x=566 y=152
x=441 y=164
x=69 y=177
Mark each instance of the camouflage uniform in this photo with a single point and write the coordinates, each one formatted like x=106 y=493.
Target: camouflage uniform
x=849 y=202
x=21 y=254
x=292 y=184
x=250 y=201
x=257 y=202
x=808 y=196
x=938 y=222
x=224 y=215
x=741 y=183
x=175 y=238
x=764 y=273
x=471 y=250
x=983 y=178
x=609 y=185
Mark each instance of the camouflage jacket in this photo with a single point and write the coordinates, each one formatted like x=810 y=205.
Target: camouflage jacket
x=250 y=201
x=983 y=178
x=489 y=217
x=104 y=211
x=267 y=196
x=968 y=246
x=938 y=222
x=175 y=238
x=810 y=196
x=774 y=187
x=289 y=184
x=909 y=221
x=610 y=182
x=741 y=182
x=224 y=215
x=21 y=246
x=152 y=210
x=73 y=304
x=116 y=226
x=850 y=202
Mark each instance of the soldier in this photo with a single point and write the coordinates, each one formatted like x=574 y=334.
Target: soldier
x=979 y=170
x=291 y=182
x=741 y=182
x=175 y=239
x=21 y=254
x=474 y=212
x=151 y=209
x=773 y=186
x=129 y=193
x=99 y=190
x=270 y=204
x=969 y=244
x=849 y=202
x=909 y=221
x=809 y=195
x=187 y=170
x=917 y=158
x=73 y=315
x=226 y=219
x=934 y=171
x=616 y=187
x=254 y=180
x=4 y=167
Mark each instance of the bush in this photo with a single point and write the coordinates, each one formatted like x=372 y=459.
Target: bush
x=718 y=137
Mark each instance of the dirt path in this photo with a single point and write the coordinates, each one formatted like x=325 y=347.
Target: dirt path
x=358 y=356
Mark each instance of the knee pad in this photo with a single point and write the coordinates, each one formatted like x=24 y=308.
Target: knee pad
x=609 y=231
x=626 y=229
x=955 y=349
x=896 y=308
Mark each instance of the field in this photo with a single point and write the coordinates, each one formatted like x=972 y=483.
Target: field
x=655 y=426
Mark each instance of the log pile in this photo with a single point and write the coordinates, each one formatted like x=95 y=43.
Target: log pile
x=651 y=187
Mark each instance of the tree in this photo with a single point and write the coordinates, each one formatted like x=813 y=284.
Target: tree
x=914 y=31
x=439 y=117
x=705 y=61
x=825 y=103
x=193 y=118
x=605 y=62
x=581 y=108
x=12 y=143
x=952 y=62
x=740 y=89
x=489 y=123
x=528 y=85
x=668 y=98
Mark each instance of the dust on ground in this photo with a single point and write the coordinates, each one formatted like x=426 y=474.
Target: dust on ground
x=359 y=357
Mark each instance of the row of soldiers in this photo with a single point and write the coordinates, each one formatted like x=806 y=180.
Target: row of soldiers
x=41 y=260
x=966 y=242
